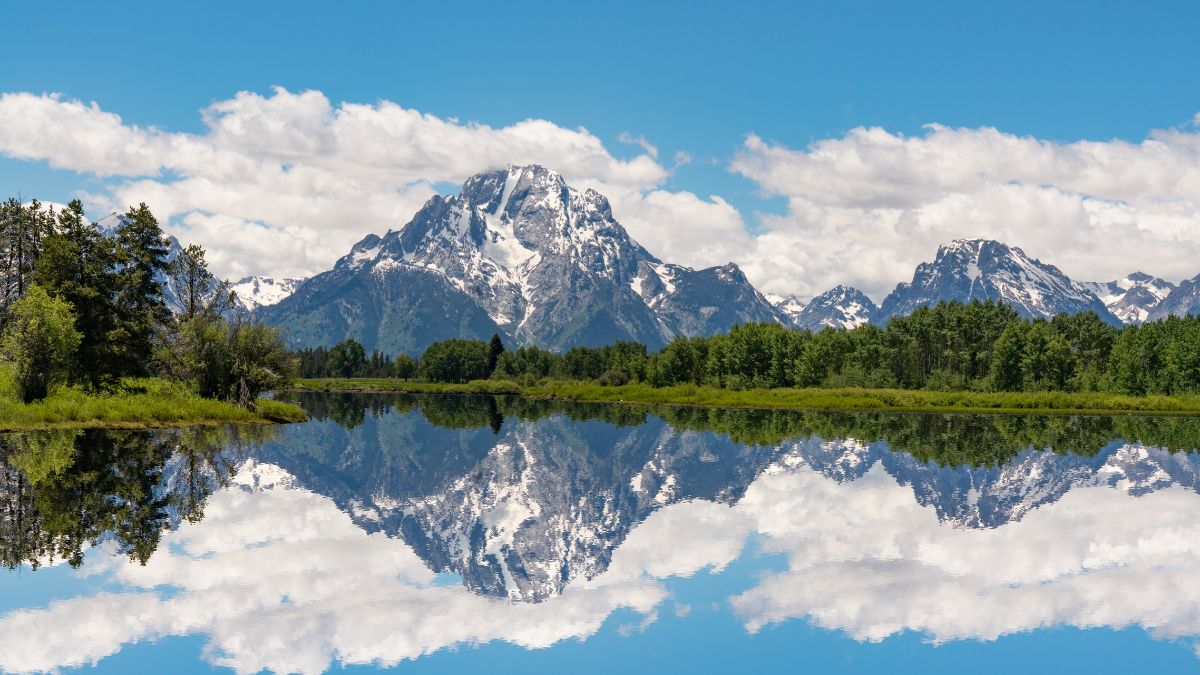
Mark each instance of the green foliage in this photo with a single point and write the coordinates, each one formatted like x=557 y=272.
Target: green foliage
x=495 y=349
x=22 y=231
x=346 y=358
x=258 y=361
x=405 y=366
x=79 y=265
x=228 y=360
x=140 y=304
x=40 y=342
x=136 y=404
x=455 y=360
x=197 y=292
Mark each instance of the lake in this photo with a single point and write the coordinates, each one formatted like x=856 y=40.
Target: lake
x=450 y=534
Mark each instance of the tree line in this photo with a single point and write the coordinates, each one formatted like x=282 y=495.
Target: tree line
x=88 y=307
x=952 y=346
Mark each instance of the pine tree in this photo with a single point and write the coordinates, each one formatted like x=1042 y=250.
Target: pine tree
x=495 y=349
x=22 y=229
x=141 y=306
x=79 y=265
x=197 y=291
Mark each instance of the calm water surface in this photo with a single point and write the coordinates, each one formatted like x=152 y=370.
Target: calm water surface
x=451 y=534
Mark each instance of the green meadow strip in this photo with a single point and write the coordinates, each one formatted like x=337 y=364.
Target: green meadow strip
x=900 y=400
x=142 y=404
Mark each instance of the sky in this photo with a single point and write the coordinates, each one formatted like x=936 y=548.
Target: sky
x=812 y=144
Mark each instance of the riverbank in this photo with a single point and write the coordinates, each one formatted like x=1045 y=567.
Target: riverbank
x=144 y=404
x=893 y=400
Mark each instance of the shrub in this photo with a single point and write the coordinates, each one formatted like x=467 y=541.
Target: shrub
x=41 y=342
x=612 y=378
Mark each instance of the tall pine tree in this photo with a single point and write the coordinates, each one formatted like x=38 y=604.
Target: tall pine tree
x=22 y=229
x=140 y=302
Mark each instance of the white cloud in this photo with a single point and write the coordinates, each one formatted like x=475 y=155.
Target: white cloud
x=640 y=141
x=865 y=208
x=285 y=183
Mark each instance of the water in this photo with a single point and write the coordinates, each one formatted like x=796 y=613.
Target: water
x=451 y=534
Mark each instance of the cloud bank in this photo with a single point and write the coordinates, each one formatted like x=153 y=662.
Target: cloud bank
x=284 y=183
x=867 y=207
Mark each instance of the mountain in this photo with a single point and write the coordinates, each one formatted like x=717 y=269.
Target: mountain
x=788 y=307
x=1183 y=300
x=520 y=253
x=841 y=307
x=981 y=269
x=255 y=292
x=1133 y=298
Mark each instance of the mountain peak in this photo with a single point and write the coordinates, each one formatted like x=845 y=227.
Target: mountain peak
x=985 y=269
x=840 y=307
x=544 y=262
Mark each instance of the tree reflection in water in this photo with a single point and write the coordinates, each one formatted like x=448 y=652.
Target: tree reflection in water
x=62 y=491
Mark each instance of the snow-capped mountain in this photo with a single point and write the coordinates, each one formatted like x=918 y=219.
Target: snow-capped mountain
x=981 y=269
x=254 y=292
x=1133 y=298
x=520 y=253
x=1184 y=300
x=840 y=307
x=788 y=306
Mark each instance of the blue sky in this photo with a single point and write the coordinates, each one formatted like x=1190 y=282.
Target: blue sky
x=688 y=77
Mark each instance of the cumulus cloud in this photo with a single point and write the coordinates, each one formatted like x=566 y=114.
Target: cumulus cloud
x=865 y=208
x=284 y=183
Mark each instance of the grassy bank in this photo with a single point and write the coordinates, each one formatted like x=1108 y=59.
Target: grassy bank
x=143 y=404
x=899 y=400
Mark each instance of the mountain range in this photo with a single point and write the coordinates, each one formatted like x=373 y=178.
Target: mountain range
x=522 y=254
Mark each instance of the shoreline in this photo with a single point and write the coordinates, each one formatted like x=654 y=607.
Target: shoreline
x=137 y=411
x=840 y=400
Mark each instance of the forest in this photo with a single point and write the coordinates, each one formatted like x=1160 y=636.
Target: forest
x=974 y=347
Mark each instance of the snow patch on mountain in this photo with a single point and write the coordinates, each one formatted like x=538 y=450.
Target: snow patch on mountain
x=840 y=307
x=254 y=292
x=1133 y=298
x=982 y=269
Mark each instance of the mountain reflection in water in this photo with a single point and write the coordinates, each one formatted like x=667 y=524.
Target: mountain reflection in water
x=292 y=547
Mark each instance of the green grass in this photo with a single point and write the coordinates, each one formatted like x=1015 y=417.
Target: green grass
x=141 y=404
x=900 y=400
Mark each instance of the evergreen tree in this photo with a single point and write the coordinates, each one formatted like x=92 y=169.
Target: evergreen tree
x=197 y=291
x=495 y=349
x=22 y=229
x=141 y=305
x=79 y=265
